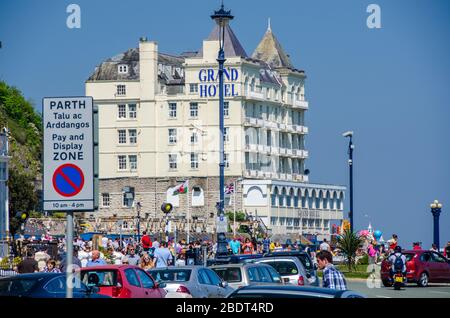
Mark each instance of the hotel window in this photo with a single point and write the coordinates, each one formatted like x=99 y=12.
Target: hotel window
x=132 y=110
x=106 y=201
x=122 y=162
x=122 y=110
x=132 y=133
x=173 y=110
x=133 y=162
x=226 y=134
x=193 y=88
x=121 y=90
x=226 y=109
x=194 y=160
x=226 y=160
x=123 y=69
x=194 y=138
x=194 y=110
x=172 y=136
x=172 y=161
x=122 y=136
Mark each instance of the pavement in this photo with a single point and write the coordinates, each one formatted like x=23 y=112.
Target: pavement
x=375 y=289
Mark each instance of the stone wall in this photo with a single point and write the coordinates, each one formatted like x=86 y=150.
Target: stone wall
x=151 y=193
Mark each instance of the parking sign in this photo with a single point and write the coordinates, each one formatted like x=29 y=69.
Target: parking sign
x=68 y=154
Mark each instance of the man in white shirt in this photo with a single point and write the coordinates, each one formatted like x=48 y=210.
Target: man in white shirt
x=325 y=246
x=104 y=242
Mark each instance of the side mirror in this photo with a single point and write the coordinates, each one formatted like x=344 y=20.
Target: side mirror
x=224 y=284
x=161 y=285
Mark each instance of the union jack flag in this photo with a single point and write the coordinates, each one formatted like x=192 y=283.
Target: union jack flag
x=229 y=188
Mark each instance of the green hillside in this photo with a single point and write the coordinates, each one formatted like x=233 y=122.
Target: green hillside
x=25 y=142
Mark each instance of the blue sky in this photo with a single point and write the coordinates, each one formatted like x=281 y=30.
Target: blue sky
x=390 y=85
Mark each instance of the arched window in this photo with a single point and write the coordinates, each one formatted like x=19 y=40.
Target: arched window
x=281 y=200
x=304 y=198
x=318 y=200
x=274 y=197
x=289 y=198
x=296 y=198
x=198 y=198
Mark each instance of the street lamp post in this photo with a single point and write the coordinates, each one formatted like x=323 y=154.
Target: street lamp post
x=436 y=211
x=350 y=165
x=221 y=17
x=138 y=205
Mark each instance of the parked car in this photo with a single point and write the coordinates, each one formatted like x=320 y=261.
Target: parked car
x=122 y=281
x=239 y=275
x=290 y=291
x=290 y=268
x=234 y=259
x=192 y=281
x=422 y=267
x=44 y=285
x=305 y=259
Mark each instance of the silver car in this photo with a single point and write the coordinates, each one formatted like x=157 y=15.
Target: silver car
x=290 y=268
x=191 y=282
x=239 y=275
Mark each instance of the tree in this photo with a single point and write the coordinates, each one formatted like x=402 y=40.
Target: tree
x=349 y=243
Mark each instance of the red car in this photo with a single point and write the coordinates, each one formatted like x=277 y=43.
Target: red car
x=122 y=281
x=422 y=267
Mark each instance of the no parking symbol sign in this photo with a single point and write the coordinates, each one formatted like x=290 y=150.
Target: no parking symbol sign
x=68 y=154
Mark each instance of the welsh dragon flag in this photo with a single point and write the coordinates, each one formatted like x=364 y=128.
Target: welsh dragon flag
x=181 y=188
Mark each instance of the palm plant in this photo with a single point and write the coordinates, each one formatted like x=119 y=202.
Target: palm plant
x=349 y=243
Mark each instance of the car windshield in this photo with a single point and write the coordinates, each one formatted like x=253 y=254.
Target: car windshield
x=16 y=287
x=182 y=275
x=409 y=257
x=285 y=268
x=99 y=278
x=230 y=274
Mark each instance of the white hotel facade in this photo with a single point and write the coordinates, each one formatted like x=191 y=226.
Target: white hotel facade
x=159 y=125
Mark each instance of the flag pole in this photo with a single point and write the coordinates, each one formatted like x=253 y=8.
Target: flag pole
x=188 y=214
x=234 y=209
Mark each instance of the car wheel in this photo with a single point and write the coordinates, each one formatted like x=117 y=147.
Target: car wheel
x=423 y=280
x=387 y=283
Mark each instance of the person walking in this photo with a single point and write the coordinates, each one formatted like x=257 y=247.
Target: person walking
x=325 y=246
x=42 y=258
x=247 y=248
x=96 y=260
x=28 y=265
x=235 y=245
x=146 y=262
x=51 y=267
x=146 y=242
x=393 y=243
x=372 y=253
x=332 y=277
x=162 y=256
x=133 y=259
x=266 y=244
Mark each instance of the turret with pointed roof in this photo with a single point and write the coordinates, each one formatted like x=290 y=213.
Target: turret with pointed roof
x=232 y=46
x=270 y=51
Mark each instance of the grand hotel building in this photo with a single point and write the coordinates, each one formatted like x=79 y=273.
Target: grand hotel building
x=159 y=126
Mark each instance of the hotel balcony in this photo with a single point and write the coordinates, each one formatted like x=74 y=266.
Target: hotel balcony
x=255 y=95
x=251 y=147
x=250 y=121
x=274 y=150
x=301 y=104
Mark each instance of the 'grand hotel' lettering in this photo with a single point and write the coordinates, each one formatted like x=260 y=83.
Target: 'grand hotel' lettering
x=210 y=88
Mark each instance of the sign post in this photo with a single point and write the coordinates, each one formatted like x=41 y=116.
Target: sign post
x=68 y=152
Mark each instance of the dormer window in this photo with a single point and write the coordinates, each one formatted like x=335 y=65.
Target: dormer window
x=123 y=69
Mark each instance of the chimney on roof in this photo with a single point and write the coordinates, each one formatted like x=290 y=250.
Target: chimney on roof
x=148 y=68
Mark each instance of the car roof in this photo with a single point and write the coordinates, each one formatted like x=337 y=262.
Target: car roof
x=278 y=259
x=177 y=268
x=107 y=267
x=285 y=253
x=238 y=265
x=32 y=276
